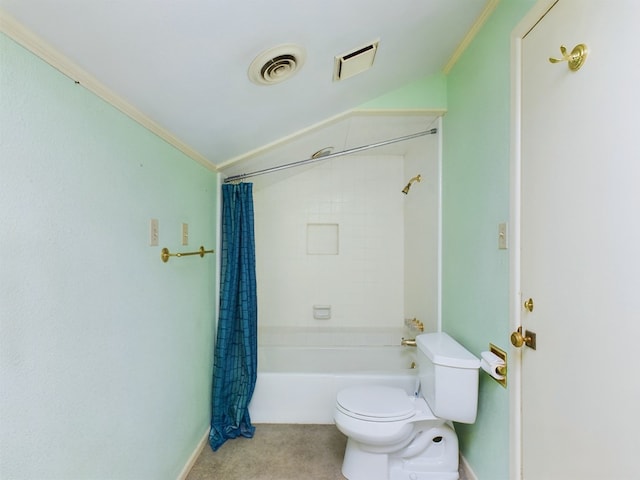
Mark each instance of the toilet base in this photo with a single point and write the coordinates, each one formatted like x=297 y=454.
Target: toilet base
x=359 y=464
x=432 y=455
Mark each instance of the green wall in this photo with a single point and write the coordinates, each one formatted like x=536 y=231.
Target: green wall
x=475 y=303
x=106 y=352
x=429 y=93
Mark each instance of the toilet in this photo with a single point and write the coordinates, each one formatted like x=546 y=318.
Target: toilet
x=394 y=435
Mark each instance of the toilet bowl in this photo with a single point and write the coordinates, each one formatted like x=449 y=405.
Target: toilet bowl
x=394 y=435
x=381 y=418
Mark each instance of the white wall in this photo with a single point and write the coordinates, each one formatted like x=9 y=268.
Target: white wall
x=105 y=351
x=421 y=233
x=365 y=282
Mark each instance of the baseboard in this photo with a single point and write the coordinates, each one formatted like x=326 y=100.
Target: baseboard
x=469 y=474
x=194 y=456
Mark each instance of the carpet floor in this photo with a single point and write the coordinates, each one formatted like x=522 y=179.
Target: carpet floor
x=278 y=452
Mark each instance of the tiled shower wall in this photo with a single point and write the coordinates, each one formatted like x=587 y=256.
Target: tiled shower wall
x=334 y=235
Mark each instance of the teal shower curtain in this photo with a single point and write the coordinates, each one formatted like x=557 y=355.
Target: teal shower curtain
x=236 y=350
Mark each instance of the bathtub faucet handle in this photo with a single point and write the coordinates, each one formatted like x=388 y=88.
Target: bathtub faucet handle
x=414 y=324
x=408 y=342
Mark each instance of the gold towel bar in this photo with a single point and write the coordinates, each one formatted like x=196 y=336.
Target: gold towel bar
x=165 y=253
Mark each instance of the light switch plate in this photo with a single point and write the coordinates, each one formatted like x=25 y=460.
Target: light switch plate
x=503 y=243
x=154 y=235
x=185 y=234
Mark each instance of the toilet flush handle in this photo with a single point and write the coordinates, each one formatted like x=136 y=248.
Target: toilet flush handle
x=408 y=342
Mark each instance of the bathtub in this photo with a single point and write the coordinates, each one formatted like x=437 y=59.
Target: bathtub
x=299 y=384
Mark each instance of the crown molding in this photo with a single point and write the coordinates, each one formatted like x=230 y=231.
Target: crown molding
x=473 y=31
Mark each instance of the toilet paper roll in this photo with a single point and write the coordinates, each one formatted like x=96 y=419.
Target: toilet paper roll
x=490 y=363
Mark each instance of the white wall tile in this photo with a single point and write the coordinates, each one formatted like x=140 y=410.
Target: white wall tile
x=365 y=282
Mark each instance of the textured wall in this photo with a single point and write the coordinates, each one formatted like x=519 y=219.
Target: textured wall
x=429 y=93
x=105 y=350
x=475 y=200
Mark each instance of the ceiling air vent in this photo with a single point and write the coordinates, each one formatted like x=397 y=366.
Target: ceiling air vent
x=355 y=61
x=276 y=64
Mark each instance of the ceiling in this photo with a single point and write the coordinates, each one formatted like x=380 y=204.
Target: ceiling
x=183 y=65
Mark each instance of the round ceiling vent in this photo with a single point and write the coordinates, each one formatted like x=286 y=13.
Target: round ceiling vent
x=276 y=64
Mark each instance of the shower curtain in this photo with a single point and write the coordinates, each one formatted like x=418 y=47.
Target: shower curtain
x=236 y=349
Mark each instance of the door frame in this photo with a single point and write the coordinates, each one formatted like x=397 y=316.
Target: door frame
x=528 y=22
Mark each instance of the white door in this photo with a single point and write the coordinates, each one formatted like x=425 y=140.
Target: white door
x=580 y=244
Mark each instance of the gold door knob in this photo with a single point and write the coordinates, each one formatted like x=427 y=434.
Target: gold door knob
x=529 y=304
x=517 y=339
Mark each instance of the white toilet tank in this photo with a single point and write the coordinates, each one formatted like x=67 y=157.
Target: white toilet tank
x=448 y=377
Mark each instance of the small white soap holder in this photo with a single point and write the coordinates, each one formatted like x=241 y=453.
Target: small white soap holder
x=322 y=312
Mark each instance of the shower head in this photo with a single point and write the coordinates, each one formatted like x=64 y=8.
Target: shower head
x=417 y=178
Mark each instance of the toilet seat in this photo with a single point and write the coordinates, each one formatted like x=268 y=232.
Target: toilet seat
x=376 y=403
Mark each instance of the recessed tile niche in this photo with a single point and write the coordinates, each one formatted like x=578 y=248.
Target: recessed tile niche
x=322 y=238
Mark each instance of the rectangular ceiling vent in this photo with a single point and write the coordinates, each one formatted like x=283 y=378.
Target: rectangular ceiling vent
x=355 y=61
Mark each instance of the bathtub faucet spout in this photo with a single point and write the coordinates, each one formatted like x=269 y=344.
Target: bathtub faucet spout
x=408 y=342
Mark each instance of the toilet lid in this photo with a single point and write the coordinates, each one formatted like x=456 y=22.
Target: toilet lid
x=376 y=402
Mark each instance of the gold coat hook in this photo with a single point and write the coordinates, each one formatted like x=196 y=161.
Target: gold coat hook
x=575 y=59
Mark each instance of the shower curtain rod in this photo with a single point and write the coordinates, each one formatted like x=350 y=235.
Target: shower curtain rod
x=242 y=176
